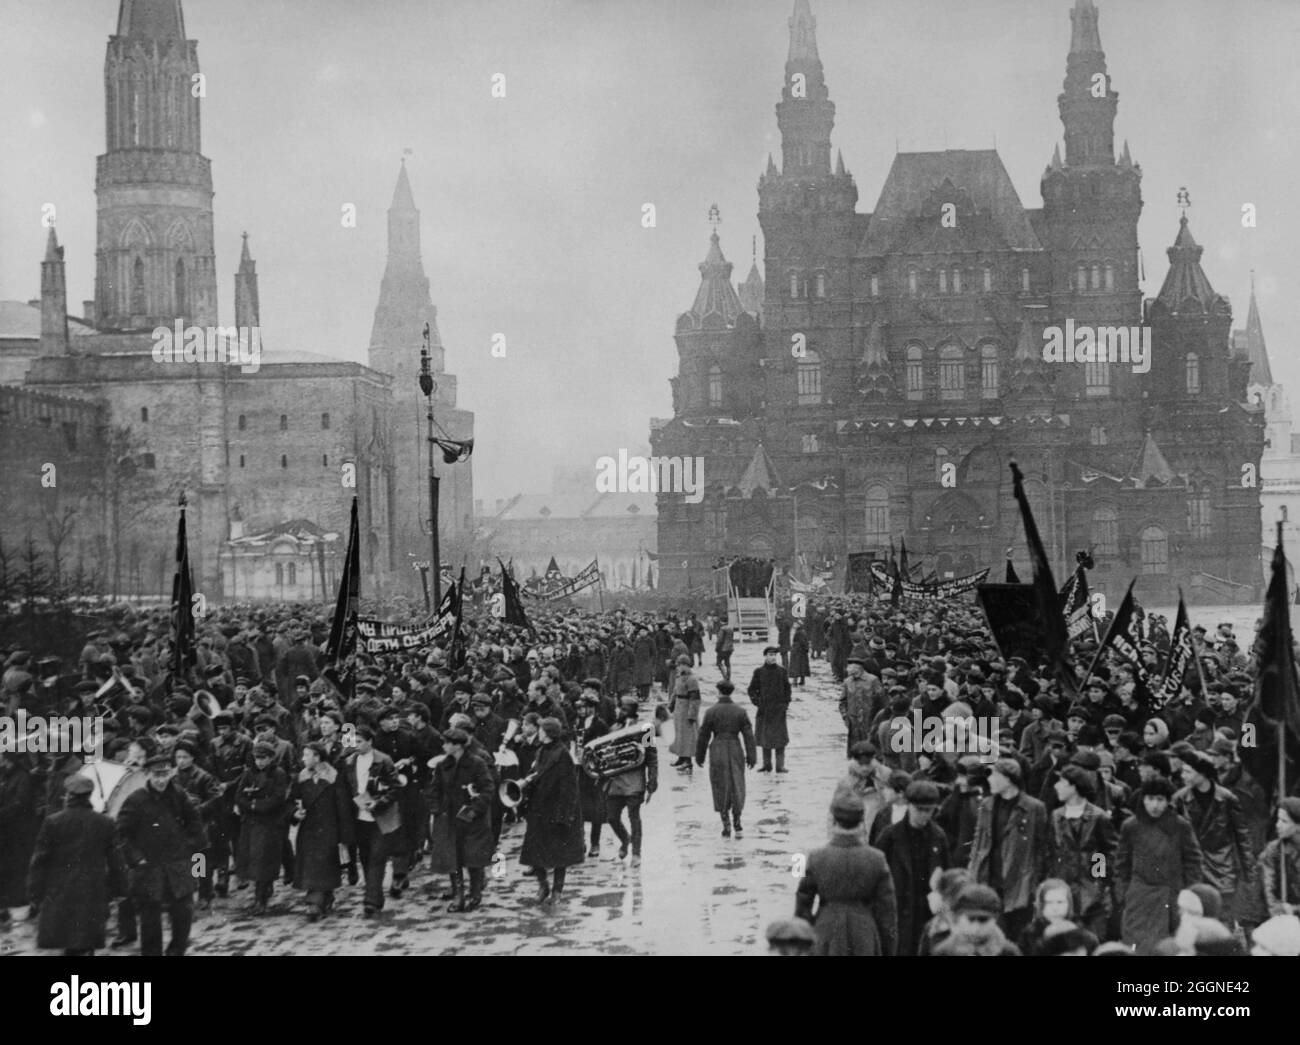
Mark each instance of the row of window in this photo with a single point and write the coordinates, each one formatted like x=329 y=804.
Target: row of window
x=949 y=280
x=284 y=460
x=243 y=420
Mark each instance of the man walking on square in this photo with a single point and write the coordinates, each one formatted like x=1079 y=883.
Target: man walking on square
x=769 y=690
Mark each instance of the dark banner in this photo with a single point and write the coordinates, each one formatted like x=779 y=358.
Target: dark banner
x=1014 y=620
x=1181 y=651
x=858 y=577
x=379 y=636
x=549 y=589
x=930 y=592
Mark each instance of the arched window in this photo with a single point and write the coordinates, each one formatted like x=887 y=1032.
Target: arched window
x=915 y=373
x=875 y=286
x=715 y=386
x=877 y=515
x=940 y=459
x=1284 y=519
x=809 y=442
x=794 y=284
x=293 y=573
x=956 y=281
x=284 y=422
x=182 y=301
x=324 y=421
x=1081 y=277
x=137 y=288
x=1096 y=277
x=1198 y=511
x=911 y=281
x=952 y=372
x=279 y=574
x=1193 y=367
x=1105 y=531
x=808 y=379
x=821 y=284
x=943 y=281
x=1110 y=277
x=989 y=371
x=1097 y=435
x=1024 y=280
x=988 y=279
x=1155 y=550
x=1096 y=378
x=243 y=422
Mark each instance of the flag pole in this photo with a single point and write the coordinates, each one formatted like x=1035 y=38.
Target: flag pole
x=1196 y=654
x=1288 y=652
x=600 y=585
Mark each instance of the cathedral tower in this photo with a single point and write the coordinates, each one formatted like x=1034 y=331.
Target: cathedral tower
x=154 y=261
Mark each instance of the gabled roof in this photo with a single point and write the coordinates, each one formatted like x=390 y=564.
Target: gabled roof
x=760 y=474
x=978 y=173
x=1151 y=464
x=21 y=321
x=300 y=531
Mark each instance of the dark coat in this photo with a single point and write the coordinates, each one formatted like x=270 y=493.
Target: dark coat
x=799 y=667
x=1223 y=836
x=75 y=870
x=327 y=825
x=590 y=796
x=912 y=881
x=159 y=833
x=554 y=835
x=1085 y=860
x=262 y=799
x=645 y=661
x=769 y=690
x=461 y=821
x=857 y=913
x=618 y=675
x=18 y=827
x=1023 y=851
x=1155 y=861
x=728 y=738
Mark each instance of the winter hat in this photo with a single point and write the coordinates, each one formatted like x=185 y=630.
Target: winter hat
x=1162 y=730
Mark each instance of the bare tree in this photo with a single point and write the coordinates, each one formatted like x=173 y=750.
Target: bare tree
x=59 y=526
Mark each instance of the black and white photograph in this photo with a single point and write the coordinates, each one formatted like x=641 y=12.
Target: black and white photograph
x=664 y=478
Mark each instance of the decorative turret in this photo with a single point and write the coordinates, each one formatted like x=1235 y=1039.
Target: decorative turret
x=876 y=382
x=54 y=300
x=247 y=309
x=1088 y=104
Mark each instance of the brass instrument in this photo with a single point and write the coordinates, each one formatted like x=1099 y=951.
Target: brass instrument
x=617 y=752
x=511 y=792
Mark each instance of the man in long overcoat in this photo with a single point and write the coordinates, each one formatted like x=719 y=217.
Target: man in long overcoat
x=19 y=822
x=553 y=840
x=856 y=914
x=75 y=871
x=323 y=811
x=724 y=729
x=914 y=848
x=645 y=658
x=460 y=800
x=159 y=833
x=863 y=698
x=769 y=690
x=261 y=800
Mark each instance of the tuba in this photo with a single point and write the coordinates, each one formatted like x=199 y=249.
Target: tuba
x=511 y=792
x=616 y=753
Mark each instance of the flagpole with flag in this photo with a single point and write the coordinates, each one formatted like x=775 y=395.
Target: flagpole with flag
x=1056 y=639
x=182 y=605
x=343 y=629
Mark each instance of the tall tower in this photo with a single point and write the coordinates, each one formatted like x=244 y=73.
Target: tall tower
x=54 y=300
x=805 y=113
x=154 y=260
x=248 y=312
x=404 y=302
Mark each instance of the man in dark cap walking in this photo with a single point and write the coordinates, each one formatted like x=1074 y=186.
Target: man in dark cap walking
x=914 y=848
x=770 y=691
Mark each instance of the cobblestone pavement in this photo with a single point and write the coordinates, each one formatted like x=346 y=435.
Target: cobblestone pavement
x=693 y=893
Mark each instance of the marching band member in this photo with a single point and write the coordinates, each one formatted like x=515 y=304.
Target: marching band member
x=630 y=788
x=261 y=798
x=589 y=727
x=460 y=800
x=553 y=841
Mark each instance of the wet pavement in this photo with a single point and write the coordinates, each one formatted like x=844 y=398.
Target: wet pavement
x=694 y=891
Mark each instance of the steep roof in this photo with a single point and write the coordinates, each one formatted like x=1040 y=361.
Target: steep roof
x=152 y=19
x=1151 y=464
x=979 y=173
x=1186 y=281
x=716 y=297
x=760 y=474
x=1253 y=343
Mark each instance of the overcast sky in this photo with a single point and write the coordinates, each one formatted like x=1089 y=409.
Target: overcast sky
x=531 y=204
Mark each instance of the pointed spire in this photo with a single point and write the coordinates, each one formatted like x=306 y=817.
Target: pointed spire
x=54 y=300
x=839 y=162
x=151 y=19
x=771 y=165
x=247 y=306
x=245 y=259
x=1056 y=157
x=402 y=198
x=803 y=34
x=716 y=296
x=53 y=252
x=1125 y=160
x=760 y=474
x=1186 y=280
x=1260 y=372
x=751 y=291
x=1084 y=35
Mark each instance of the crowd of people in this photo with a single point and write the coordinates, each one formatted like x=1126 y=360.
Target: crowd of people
x=1089 y=824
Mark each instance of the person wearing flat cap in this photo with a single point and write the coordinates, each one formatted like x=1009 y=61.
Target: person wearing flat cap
x=770 y=692
x=206 y=793
x=727 y=737
x=975 y=931
x=75 y=871
x=790 y=937
x=861 y=700
x=684 y=706
x=846 y=892
x=1010 y=849
x=159 y=830
x=1221 y=830
x=914 y=848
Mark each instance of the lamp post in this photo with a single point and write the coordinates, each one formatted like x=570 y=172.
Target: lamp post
x=427 y=387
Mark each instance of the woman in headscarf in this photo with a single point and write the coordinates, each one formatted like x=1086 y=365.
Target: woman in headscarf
x=684 y=704
x=553 y=841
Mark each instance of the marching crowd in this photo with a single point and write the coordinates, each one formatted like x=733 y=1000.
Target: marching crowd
x=1088 y=825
